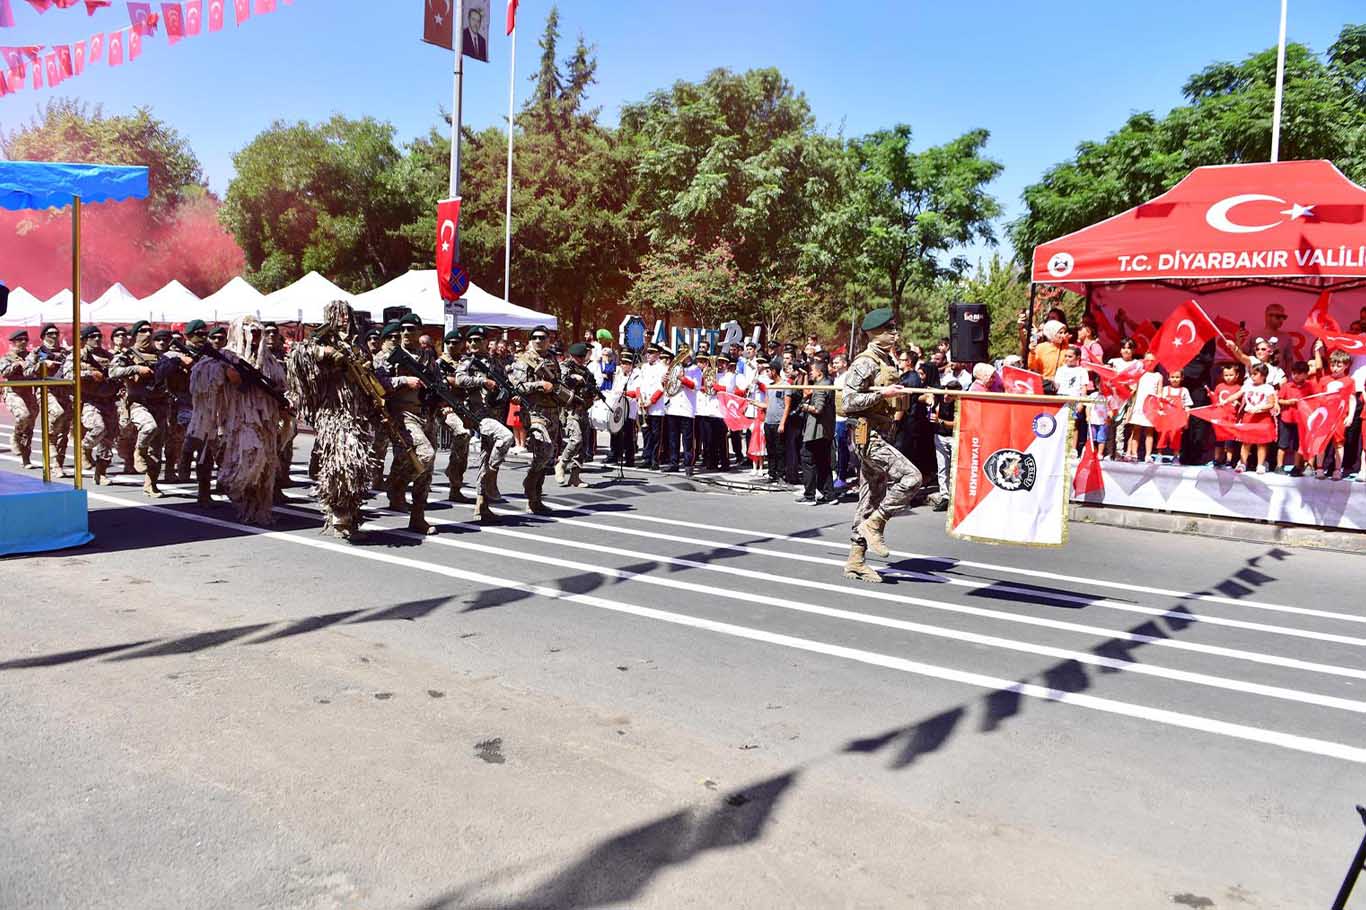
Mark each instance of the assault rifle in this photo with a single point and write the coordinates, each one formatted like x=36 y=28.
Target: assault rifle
x=435 y=382
x=486 y=367
x=250 y=375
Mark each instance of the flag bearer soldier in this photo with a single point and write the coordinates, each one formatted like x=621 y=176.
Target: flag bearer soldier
x=887 y=479
x=21 y=402
x=536 y=378
x=46 y=362
x=410 y=415
x=449 y=361
x=488 y=403
x=579 y=381
x=99 y=416
x=141 y=368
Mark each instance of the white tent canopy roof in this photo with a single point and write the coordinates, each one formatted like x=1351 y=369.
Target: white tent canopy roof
x=236 y=298
x=302 y=301
x=25 y=309
x=417 y=289
x=173 y=303
x=117 y=304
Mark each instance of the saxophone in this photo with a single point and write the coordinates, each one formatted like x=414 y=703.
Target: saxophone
x=673 y=379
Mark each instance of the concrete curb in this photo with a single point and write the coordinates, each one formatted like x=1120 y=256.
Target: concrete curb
x=1223 y=528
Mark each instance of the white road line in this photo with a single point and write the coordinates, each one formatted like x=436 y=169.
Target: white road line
x=1096 y=703
x=1085 y=657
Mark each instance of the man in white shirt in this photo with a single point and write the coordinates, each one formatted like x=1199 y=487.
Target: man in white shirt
x=681 y=411
x=625 y=385
x=652 y=407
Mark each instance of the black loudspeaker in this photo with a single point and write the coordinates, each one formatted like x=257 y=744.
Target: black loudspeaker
x=395 y=313
x=969 y=333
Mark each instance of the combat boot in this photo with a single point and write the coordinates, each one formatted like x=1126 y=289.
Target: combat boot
x=26 y=457
x=201 y=476
x=534 y=504
x=492 y=494
x=456 y=494
x=856 y=567
x=417 y=520
x=870 y=529
x=182 y=466
x=149 y=485
x=483 y=511
x=398 y=495
x=102 y=473
x=559 y=475
x=574 y=479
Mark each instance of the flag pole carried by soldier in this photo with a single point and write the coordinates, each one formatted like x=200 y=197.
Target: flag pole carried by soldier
x=887 y=478
x=21 y=402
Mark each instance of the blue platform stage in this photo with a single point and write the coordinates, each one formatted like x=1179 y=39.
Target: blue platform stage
x=36 y=517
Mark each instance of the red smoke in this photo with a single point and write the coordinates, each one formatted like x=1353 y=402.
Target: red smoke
x=120 y=241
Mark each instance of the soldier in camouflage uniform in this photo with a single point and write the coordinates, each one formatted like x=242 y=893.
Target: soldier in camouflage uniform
x=21 y=402
x=46 y=362
x=378 y=343
x=579 y=381
x=536 y=378
x=142 y=370
x=99 y=417
x=404 y=399
x=887 y=479
x=120 y=340
x=180 y=408
x=488 y=404
x=459 y=460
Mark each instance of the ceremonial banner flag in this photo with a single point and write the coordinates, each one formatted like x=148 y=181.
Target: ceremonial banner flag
x=243 y=10
x=1320 y=416
x=96 y=48
x=1010 y=480
x=1021 y=382
x=436 y=23
x=1182 y=336
x=140 y=18
x=6 y=15
x=134 y=45
x=1087 y=478
x=78 y=57
x=174 y=17
x=733 y=411
x=215 y=15
x=447 y=228
x=1325 y=328
x=1222 y=418
x=512 y=16
x=194 y=15
x=116 y=40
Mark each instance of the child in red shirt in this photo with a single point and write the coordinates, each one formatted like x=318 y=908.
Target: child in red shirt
x=1227 y=394
x=1337 y=380
x=1298 y=387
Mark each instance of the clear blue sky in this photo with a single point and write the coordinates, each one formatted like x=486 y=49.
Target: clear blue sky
x=1041 y=76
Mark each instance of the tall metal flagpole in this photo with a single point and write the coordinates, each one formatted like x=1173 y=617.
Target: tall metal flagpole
x=1280 y=89
x=507 y=239
x=458 y=42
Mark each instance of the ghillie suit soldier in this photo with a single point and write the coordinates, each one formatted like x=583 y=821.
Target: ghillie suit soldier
x=331 y=378
x=239 y=399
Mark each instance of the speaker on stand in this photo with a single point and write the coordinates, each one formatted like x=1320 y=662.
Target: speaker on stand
x=969 y=333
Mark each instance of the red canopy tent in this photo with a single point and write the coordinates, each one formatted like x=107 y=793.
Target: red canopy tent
x=1236 y=237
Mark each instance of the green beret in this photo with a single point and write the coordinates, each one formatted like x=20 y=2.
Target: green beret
x=139 y=326
x=410 y=319
x=578 y=349
x=195 y=326
x=475 y=331
x=877 y=319
x=22 y=333
x=218 y=330
x=160 y=334
x=88 y=330
x=453 y=336
x=390 y=328
x=604 y=335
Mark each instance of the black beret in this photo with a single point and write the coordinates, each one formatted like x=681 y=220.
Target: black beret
x=50 y=327
x=372 y=332
x=139 y=326
x=390 y=328
x=195 y=326
x=267 y=326
x=578 y=349
x=22 y=333
x=539 y=330
x=160 y=334
x=118 y=330
x=89 y=330
x=877 y=319
x=475 y=331
x=410 y=319
x=453 y=336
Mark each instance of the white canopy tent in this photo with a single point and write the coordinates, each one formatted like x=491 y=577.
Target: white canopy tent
x=236 y=298
x=117 y=304
x=302 y=301
x=173 y=303
x=25 y=309
x=417 y=289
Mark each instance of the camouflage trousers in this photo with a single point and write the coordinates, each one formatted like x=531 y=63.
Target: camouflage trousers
x=147 y=446
x=58 y=432
x=496 y=442
x=127 y=434
x=419 y=432
x=887 y=480
x=99 y=427
x=542 y=432
x=460 y=448
x=571 y=452
x=177 y=424
x=24 y=414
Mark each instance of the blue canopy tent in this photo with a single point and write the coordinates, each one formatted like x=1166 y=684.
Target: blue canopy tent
x=43 y=516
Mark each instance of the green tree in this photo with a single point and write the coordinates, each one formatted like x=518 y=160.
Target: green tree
x=1227 y=121
x=68 y=130
x=681 y=282
x=326 y=197
x=912 y=210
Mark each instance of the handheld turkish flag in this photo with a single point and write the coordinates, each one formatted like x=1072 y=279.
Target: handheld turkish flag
x=447 y=229
x=436 y=23
x=215 y=15
x=1167 y=415
x=1325 y=328
x=1021 y=382
x=512 y=15
x=1320 y=416
x=174 y=17
x=1182 y=336
x=1117 y=383
x=1222 y=418
x=733 y=411
x=116 y=48
x=1087 y=477
x=194 y=16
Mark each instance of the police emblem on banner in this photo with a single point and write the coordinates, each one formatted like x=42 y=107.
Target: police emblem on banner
x=1011 y=470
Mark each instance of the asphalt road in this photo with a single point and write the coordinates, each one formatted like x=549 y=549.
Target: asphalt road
x=667 y=696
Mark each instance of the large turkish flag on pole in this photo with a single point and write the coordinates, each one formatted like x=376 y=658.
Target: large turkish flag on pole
x=437 y=17
x=447 y=229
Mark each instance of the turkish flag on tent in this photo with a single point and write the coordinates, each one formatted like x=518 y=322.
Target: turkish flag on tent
x=96 y=48
x=1182 y=336
x=1325 y=328
x=116 y=40
x=1117 y=383
x=1221 y=417
x=194 y=16
x=1010 y=472
x=174 y=17
x=436 y=23
x=1167 y=415
x=512 y=15
x=1320 y=416
x=1021 y=382
x=733 y=411
x=447 y=230
x=1087 y=478
x=215 y=15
